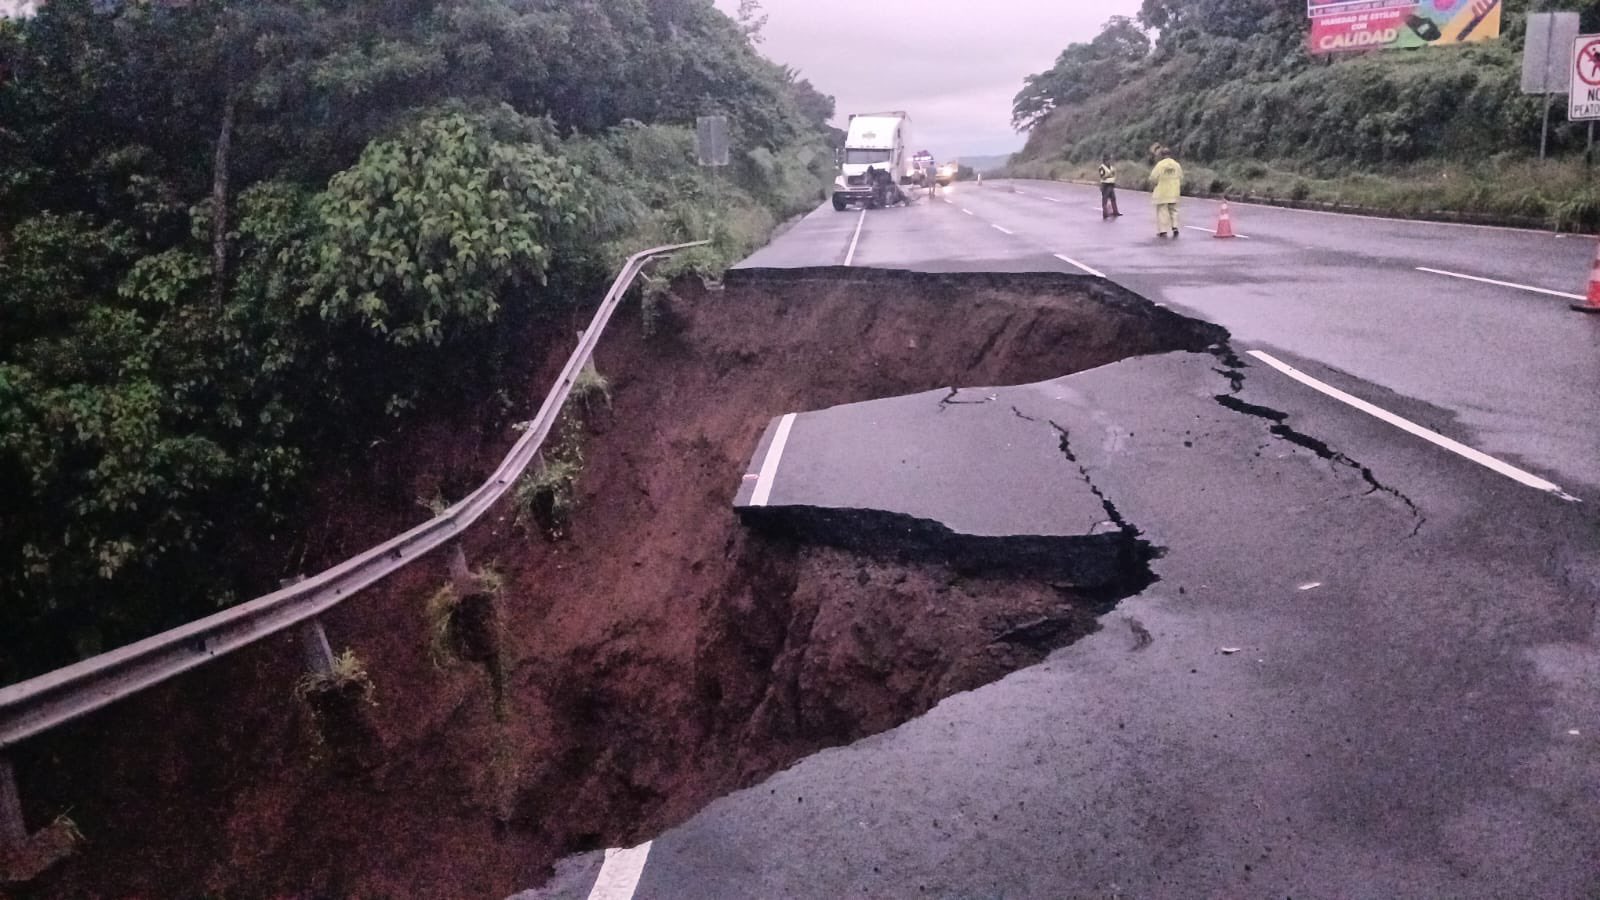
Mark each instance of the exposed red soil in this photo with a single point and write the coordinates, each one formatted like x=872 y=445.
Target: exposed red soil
x=657 y=657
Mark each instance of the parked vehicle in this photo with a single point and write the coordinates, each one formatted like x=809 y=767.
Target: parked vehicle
x=874 y=163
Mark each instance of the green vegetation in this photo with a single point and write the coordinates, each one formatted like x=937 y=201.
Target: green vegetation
x=591 y=388
x=442 y=610
x=348 y=678
x=547 y=494
x=235 y=238
x=1230 y=86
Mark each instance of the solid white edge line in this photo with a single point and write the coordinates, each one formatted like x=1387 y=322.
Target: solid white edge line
x=850 y=256
x=619 y=874
x=1002 y=230
x=1377 y=412
x=1509 y=284
x=1072 y=262
x=769 y=466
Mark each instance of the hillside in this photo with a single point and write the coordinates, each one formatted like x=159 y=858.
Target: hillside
x=241 y=240
x=1260 y=113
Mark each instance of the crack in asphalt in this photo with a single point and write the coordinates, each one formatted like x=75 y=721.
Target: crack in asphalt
x=1115 y=514
x=1236 y=376
x=949 y=400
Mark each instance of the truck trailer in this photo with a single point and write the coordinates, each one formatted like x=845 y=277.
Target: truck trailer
x=875 y=162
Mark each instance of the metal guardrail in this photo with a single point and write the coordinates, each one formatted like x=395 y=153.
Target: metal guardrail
x=30 y=707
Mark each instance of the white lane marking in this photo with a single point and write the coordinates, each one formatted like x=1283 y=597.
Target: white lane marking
x=1509 y=284
x=1002 y=230
x=1242 y=237
x=967 y=211
x=769 y=466
x=1072 y=262
x=619 y=874
x=1406 y=425
x=850 y=256
x=948 y=200
x=1051 y=199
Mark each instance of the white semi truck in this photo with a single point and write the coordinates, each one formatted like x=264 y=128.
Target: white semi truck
x=875 y=161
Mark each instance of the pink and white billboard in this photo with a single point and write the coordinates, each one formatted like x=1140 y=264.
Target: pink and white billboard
x=1339 y=26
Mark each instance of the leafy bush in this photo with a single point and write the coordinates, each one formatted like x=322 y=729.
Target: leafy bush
x=427 y=232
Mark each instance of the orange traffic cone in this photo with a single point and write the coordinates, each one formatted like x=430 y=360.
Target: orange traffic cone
x=1593 y=306
x=1224 y=223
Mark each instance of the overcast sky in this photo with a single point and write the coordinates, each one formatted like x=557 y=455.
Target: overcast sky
x=954 y=65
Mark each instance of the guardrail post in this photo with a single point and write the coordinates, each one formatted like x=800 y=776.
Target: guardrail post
x=460 y=575
x=13 y=830
x=313 y=639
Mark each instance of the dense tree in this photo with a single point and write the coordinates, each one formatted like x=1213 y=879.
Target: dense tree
x=235 y=236
x=1083 y=70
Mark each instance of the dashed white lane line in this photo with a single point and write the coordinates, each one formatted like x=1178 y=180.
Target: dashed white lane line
x=1483 y=459
x=1002 y=230
x=967 y=211
x=1050 y=199
x=1509 y=284
x=1072 y=262
x=1243 y=237
x=850 y=256
x=769 y=466
x=619 y=874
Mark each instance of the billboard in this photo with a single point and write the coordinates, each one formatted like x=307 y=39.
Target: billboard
x=1340 y=26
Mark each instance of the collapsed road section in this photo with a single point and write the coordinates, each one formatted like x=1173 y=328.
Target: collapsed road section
x=653 y=653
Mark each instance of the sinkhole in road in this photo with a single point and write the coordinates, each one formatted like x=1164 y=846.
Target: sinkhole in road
x=661 y=653
x=729 y=652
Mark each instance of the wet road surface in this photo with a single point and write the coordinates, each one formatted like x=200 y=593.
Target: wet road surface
x=1371 y=664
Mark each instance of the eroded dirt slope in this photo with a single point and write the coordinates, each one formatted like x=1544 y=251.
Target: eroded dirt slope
x=656 y=657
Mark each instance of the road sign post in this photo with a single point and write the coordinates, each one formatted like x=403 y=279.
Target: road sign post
x=1547 y=63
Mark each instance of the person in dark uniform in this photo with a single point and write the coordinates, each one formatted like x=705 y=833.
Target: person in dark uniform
x=1108 y=188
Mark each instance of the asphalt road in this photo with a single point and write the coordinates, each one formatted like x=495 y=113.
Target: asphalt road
x=1512 y=369
x=1371 y=665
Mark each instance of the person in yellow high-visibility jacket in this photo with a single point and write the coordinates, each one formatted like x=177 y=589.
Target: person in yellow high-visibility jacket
x=1166 y=181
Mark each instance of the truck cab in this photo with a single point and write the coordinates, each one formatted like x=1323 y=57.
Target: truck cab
x=874 y=162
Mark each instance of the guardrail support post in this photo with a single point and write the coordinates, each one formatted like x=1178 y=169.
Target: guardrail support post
x=319 y=653
x=13 y=830
x=313 y=639
x=460 y=575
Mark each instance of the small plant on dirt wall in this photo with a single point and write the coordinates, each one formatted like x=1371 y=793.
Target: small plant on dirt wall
x=338 y=701
x=41 y=851
x=545 y=498
x=591 y=388
x=348 y=677
x=465 y=626
x=451 y=638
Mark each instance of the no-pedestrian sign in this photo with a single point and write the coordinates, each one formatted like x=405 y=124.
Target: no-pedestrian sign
x=1583 y=102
